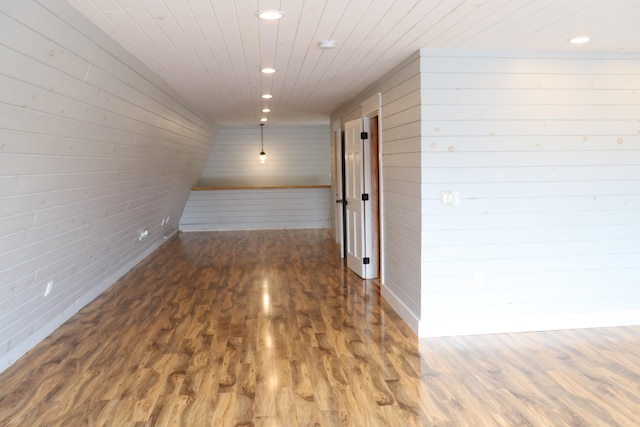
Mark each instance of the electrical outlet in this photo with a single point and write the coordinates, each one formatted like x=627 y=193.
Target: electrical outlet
x=49 y=288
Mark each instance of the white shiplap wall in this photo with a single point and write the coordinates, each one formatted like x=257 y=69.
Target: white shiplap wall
x=257 y=209
x=94 y=149
x=401 y=187
x=297 y=155
x=292 y=152
x=545 y=152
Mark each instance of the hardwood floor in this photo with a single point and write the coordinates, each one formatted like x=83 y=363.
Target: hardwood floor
x=267 y=328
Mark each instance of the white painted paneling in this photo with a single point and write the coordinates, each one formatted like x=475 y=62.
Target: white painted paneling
x=94 y=149
x=545 y=152
x=212 y=51
x=257 y=209
x=292 y=151
x=296 y=155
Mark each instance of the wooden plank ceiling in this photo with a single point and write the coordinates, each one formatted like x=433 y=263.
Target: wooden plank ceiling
x=211 y=51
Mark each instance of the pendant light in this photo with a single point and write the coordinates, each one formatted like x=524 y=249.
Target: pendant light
x=263 y=156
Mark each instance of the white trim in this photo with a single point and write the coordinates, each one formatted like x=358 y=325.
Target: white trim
x=12 y=356
x=402 y=310
x=372 y=106
x=338 y=221
x=498 y=325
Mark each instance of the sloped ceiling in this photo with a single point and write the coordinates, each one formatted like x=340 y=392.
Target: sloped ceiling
x=212 y=51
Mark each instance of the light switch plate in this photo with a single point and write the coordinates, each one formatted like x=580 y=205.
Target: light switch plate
x=449 y=198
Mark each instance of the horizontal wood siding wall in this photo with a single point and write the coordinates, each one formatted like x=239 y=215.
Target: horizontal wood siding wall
x=292 y=151
x=401 y=190
x=296 y=155
x=257 y=209
x=94 y=150
x=545 y=152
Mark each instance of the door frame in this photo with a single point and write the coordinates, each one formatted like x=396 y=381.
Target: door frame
x=371 y=108
x=337 y=136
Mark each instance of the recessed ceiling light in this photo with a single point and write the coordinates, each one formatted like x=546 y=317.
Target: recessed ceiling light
x=327 y=44
x=267 y=96
x=270 y=15
x=579 y=40
x=264 y=119
x=266 y=110
x=268 y=70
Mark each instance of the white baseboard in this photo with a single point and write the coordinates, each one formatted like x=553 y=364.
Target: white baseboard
x=403 y=311
x=23 y=347
x=497 y=325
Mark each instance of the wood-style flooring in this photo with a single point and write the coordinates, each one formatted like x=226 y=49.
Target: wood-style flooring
x=268 y=328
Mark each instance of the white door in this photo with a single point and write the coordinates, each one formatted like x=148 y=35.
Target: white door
x=357 y=182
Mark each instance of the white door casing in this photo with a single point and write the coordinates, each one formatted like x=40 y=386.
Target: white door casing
x=357 y=182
